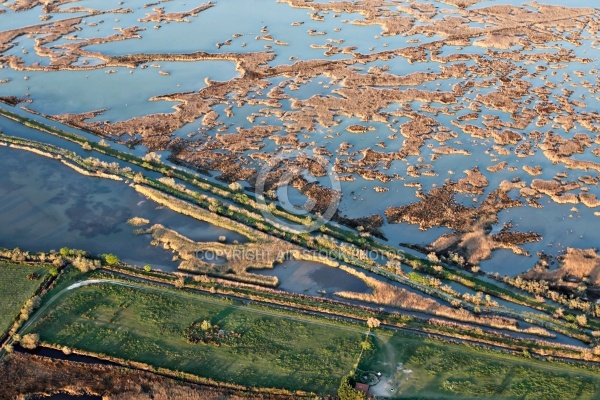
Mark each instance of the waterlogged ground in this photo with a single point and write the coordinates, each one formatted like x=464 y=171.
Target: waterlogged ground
x=399 y=97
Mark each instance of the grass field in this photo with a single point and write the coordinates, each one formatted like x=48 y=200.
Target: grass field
x=253 y=347
x=15 y=289
x=420 y=368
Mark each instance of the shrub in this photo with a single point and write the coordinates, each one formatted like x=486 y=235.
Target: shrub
x=29 y=306
x=235 y=186
x=373 y=322
x=34 y=276
x=84 y=264
x=53 y=271
x=147 y=268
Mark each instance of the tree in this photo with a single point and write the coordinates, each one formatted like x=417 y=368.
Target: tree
x=53 y=271
x=153 y=157
x=84 y=264
x=58 y=262
x=393 y=264
x=139 y=178
x=111 y=259
x=433 y=257
x=180 y=282
x=235 y=186
x=373 y=322
x=559 y=313
x=147 y=268
x=581 y=319
x=366 y=345
x=30 y=341
x=205 y=325
x=29 y=306
x=307 y=221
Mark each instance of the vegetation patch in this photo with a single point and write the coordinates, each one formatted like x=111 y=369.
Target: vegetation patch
x=205 y=333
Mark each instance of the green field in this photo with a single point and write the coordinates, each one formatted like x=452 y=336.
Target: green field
x=251 y=346
x=15 y=289
x=420 y=368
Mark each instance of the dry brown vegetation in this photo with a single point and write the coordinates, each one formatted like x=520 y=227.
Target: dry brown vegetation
x=24 y=375
x=138 y=221
x=576 y=264
x=471 y=238
x=387 y=294
x=160 y=15
x=262 y=251
x=236 y=259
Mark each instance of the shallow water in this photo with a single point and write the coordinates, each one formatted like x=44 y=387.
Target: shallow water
x=46 y=205
x=313 y=278
x=126 y=94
